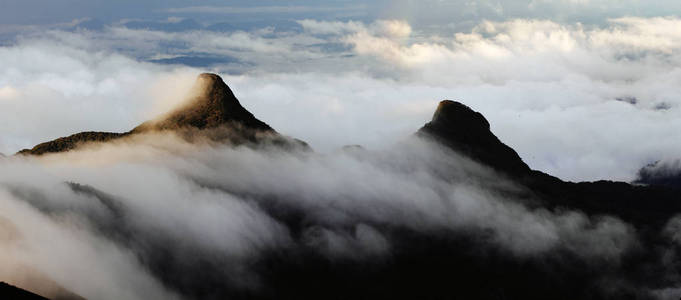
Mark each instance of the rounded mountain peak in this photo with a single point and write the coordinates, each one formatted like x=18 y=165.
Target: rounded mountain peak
x=210 y=76
x=468 y=132
x=455 y=114
x=208 y=82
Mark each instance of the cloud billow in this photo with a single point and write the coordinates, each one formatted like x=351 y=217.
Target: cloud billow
x=164 y=210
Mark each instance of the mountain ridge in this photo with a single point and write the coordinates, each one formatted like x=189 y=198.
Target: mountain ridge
x=467 y=132
x=8 y=291
x=212 y=105
x=212 y=111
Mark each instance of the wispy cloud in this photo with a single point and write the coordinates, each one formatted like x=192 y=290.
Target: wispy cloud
x=151 y=211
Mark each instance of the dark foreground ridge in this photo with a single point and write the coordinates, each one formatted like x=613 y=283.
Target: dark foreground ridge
x=10 y=292
x=212 y=111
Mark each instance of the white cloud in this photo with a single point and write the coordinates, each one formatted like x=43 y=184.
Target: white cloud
x=65 y=252
x=512 y=71
x=548 y=88
x=57 y=90
x=8 y=93
x=201 y=203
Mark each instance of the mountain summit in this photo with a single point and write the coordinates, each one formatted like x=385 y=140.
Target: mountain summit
x=211 y=110
x=468 y=132
x=211 y=104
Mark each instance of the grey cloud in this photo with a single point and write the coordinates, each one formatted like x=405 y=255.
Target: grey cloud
x=155 y=200
x=664 y=172
x=267 y=9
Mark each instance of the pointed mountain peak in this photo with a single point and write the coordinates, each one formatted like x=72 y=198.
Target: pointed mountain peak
x=466 y=131
x=210 y=104
x=209 y=83
x=452 y=113
x=209 y=109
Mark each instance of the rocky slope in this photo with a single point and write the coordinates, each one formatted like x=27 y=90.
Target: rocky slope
x=468 y=132
x=212 y=111
x=71 y=142
x=213 y=105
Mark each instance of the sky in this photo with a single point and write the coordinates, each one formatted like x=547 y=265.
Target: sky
x=582 y=89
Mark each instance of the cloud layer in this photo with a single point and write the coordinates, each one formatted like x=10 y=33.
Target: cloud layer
x=581 y=102
x=141 y=216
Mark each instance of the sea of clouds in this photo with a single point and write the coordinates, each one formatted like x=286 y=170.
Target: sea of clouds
x=582 y=102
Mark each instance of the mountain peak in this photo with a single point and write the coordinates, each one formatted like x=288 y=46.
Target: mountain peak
x=211 y=104
x=209 y=82
x=212 y=77
x=468 y=132
x=456 y=114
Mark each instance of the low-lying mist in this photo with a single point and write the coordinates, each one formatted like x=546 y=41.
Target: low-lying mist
x=155 y=217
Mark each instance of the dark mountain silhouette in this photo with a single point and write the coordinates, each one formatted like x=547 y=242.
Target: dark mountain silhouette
x=212 y=111
x=446 y=264
x=468 y=132
x=14 y=293
x=11 y=292
x=465 y=131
